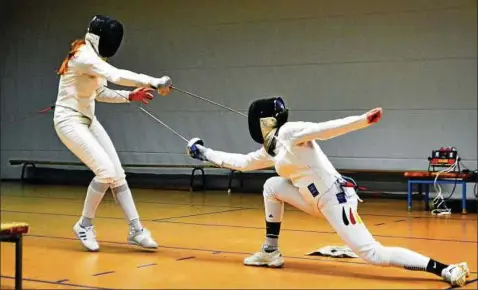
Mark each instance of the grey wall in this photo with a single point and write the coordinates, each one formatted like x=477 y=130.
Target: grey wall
x=329 y=59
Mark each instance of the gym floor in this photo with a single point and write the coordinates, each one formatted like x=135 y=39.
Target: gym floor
x=204 y=236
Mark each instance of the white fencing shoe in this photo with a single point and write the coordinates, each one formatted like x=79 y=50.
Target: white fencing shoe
x=141 y=238
x=87 y=237
x=273 y=259
x=456 y=274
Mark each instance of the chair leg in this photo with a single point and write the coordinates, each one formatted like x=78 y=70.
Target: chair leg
x=18 y=262
x=191 y=184
x=22 y=178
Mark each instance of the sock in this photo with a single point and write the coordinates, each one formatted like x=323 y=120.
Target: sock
x=86 y=222
x=274 y=210
x=136 y=225
x=410 y=260
x=95 y=193
x=126 y=202
x=435 y=267
x=272 y=236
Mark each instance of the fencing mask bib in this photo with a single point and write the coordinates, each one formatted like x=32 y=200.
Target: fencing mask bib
x=105 y=34
x=265 y=117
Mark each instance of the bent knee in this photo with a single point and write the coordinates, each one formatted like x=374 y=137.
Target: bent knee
x=375 y=254
x=105 y=175
x=108 y=174
x=119 y=180
x=271 y=186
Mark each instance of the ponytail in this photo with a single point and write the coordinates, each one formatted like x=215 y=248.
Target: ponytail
x=75 y=46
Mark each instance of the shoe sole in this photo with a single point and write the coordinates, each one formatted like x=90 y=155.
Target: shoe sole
x=137 y=244
x=265 y=265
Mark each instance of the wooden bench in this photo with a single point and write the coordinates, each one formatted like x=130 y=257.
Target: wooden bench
x=13 y=233
x=195 y=168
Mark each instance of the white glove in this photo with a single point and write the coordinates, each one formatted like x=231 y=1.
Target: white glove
x=160 y=83
x=163 y=85
x=195 y=149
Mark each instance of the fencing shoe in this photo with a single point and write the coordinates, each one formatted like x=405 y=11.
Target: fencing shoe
x=141 y=238
x=456 y=274
x=262 y=258
x=87 y=237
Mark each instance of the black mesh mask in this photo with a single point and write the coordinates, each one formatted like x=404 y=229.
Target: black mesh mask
x=263 y=108
x=110 y=32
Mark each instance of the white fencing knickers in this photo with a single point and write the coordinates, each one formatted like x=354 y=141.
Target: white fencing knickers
x=340 y=210
x=88 y=140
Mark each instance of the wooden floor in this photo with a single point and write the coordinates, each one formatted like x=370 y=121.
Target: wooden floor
x=205 y=236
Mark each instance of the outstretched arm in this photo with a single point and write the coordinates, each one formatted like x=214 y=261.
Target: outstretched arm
x=241 y=162
x=92 y=64
x=327 y=130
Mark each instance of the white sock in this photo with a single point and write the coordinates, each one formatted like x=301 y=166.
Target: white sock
x=136 y=225
x=401 y=257
x=86 y=222
x=394 y=256
x=95 y=193
x=274 y=210
x=125 y=200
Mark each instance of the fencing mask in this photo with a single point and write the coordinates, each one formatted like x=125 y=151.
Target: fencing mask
x=265 y=118
x=105 y=34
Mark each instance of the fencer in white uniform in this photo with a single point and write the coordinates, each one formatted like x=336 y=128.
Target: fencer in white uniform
x=308 y=181
x=83 y=80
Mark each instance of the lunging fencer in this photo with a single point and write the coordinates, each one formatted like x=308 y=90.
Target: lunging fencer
x=84 y=74
x=308 y=181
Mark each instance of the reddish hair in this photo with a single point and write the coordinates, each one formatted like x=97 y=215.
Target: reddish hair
x=75 y=46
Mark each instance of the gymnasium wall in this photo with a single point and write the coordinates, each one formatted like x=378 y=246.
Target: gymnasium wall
x=330 y=59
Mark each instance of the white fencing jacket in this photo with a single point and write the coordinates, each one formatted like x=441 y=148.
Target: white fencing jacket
x=86 y=79
x=298 y=157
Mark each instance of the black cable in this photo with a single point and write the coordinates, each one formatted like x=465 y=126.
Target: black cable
x=474 y=190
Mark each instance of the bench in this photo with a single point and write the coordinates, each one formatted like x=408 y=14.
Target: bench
x=195 y=168
x=13 y=233
x=24 y=163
